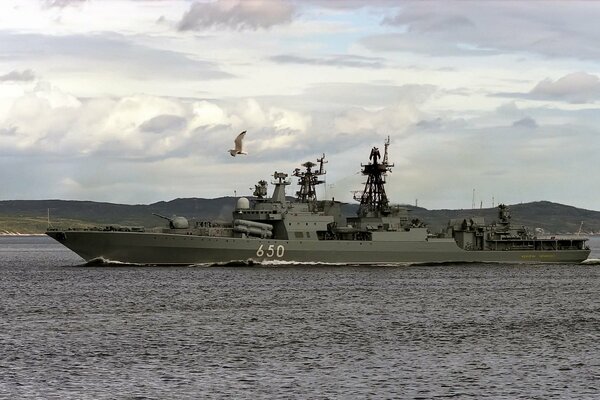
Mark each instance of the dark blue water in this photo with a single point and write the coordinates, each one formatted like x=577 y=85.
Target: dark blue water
x=465 y=331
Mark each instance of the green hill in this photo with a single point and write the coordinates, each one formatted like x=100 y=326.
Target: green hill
x=30 y=216
x=551 y=217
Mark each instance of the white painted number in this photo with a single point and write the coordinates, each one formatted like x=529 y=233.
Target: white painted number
x=278 y=251
x=270 y=251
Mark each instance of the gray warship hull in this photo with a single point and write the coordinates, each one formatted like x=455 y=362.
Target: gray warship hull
x=175 y=249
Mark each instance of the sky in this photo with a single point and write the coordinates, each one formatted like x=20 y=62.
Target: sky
x=138 y=101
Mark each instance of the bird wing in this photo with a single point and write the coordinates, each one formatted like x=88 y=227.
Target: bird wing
x=238 y=141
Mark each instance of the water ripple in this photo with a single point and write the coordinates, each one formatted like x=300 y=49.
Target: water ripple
x=322 y=332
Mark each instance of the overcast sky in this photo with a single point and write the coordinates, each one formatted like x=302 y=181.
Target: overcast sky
x=138 y=101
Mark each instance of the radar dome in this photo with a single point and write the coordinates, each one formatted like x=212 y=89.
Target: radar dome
x=242 y=203
x=179 y=223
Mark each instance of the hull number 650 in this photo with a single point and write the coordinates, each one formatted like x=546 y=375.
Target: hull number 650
x=270 y=251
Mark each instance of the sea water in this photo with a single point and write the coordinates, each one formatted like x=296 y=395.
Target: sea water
x=72 y=331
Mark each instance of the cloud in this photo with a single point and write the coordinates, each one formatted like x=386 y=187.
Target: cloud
x=389 y=120
x=62 y=3
x=106 y=52
x=475 y=28
x=419 y=20
x=430 y=124
x=47 y=120
x=26 y=75
x=526 y=122
x=415 y=43
x=163 y=123
x=338 y=60
x=520 y=164
x=210 y=114
x=237 y=14
x=50 y=121
x=341 y=94
x=577 y=87
x=10 y=131
x=141 y=148
x=283 y=119
x=352 y=4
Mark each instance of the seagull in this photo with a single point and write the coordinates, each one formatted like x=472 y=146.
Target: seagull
x=238 y=145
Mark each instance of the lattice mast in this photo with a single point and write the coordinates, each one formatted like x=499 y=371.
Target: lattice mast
x=373 y=199
x=309 y=179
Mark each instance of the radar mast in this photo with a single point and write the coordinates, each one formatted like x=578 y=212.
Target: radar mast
x=260 y=190
x=309 y=179
x=373 y=199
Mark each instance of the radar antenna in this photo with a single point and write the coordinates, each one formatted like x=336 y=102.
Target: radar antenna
x=503 y=214
x=373 y=199
x=309 y=179
x=385 y=153
x=260 y=190
x=280 y=183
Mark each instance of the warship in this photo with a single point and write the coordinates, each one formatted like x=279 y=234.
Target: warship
x=307 y=230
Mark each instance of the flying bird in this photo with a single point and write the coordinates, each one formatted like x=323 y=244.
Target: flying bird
x=239 y=149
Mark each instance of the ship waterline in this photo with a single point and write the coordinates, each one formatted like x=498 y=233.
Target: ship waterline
x=307 y=230
x=175 y=249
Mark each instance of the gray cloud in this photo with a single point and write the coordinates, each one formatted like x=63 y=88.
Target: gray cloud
x=368 y=94
x=351 y=4
x=430 y=124
x=162 y=123
x=576 y=88
x=427 y=21
x=26 y=75
x=526 y=122
x=446 y=125
x=140 y=165
x=415 y=43
x=338 y=60
x=10 y=131
x=486 y=28
x=237 y=14
x=62 y=3
x=103 y=50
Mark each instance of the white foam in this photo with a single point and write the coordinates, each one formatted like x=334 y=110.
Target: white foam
x=282 y=263
x=107 y=262
x=591 y=261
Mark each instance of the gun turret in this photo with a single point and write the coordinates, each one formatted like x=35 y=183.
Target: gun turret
x=175 y=222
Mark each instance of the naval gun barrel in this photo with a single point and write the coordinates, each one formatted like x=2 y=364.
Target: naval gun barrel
x=175 y=222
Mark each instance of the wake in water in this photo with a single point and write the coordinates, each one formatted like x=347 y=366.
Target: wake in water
x=591 y=261
x=103 y=262
x=282 y=263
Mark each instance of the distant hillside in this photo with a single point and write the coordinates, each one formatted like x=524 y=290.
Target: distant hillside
x=30 y=216
x=551 y=217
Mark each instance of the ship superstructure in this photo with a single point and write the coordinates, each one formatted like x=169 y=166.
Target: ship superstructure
x=310 y=230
